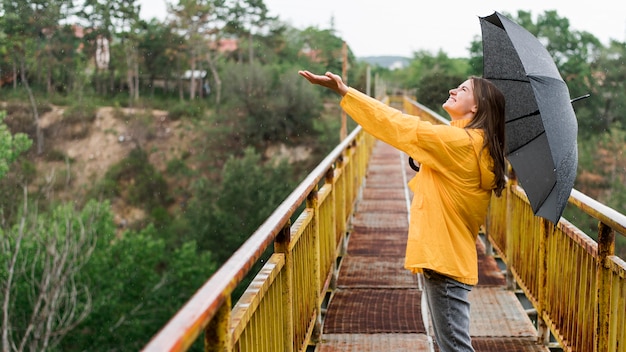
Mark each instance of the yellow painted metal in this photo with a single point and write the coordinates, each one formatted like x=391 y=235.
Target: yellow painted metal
x=216 y=338
x=282 y=245
x=577 y=294
x=255 y=313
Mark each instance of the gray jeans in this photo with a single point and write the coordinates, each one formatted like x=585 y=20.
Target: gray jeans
x=449 y=310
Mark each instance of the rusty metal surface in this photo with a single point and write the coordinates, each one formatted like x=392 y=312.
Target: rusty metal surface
x=489 y=274
x=375 y=342
x=496 y=312
x=382 y=221
x=379 y=178
x=366 y=242
x=382 y=205
x=375 y=311
x=383 y=193
x=375 y=271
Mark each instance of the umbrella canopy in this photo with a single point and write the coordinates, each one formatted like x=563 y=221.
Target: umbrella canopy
x=541 y=126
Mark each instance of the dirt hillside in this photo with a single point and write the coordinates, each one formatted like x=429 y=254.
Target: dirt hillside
x=103 y=143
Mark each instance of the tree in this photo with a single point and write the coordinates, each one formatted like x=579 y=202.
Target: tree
x=26 y=24
x=11 y=146
x=98 y=18
x=44 y=295
x=159 y=47
x=245 y=18
x=325 y=48
x=127 y=14
x=610 y=87
x=267 y=109
x=432 y=77
x=197 y=22
x=223 y=217
x=137 y=284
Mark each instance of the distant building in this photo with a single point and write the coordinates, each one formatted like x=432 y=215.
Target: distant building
x=103 y=55
x=396 y=65
x=312 y=54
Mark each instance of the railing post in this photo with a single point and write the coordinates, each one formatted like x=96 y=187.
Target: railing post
x=606 y=248
x=510 y=207
x=340 y=204
x=329 y=179
x=282 y=244
x=542 y=328
x=217 y=332
x=312 y=203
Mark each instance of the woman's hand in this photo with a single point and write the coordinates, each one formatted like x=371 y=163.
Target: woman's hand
x=329 y=80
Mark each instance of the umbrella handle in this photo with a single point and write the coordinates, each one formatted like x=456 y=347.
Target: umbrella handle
x=413 y=165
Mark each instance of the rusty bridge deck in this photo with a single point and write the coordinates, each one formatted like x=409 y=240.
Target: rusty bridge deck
x=377 y=305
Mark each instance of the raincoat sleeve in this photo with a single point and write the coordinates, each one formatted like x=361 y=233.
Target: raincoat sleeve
x=439 y=146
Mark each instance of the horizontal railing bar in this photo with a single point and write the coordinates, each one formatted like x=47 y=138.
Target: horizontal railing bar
x=435 y=115
x=189 y=321
x=599 y=211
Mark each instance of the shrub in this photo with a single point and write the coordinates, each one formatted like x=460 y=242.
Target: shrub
x=185 y=109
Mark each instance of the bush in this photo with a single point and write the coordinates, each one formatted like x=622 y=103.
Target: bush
x=79 y=114
x=186 y=109
x=137 y=180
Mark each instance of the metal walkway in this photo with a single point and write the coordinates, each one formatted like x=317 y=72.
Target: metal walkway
x=377 y=305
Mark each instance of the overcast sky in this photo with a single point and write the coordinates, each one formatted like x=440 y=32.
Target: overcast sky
x=402 y=27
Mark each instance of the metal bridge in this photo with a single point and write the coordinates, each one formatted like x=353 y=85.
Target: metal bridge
x=335 y=279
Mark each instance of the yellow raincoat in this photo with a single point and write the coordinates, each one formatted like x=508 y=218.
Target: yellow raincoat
x=451 y=191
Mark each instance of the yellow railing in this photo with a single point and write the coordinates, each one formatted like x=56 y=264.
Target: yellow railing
x=281 y=309
x=577 y=286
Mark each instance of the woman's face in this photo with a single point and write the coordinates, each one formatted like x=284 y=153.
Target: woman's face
x=461 y=103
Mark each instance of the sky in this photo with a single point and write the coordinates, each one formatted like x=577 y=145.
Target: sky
x=402 y=27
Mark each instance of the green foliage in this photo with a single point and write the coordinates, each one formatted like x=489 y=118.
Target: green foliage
x=43 y=258
x=137 y=285
x=432 y=77
x=11 y=146
x=609 y=91
x=135 y=179
x=269 y=106
x=224 y=215
x=178 y=167
x=79 y=113
x=186 y=109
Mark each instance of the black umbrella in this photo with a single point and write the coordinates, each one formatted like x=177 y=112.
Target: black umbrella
x=541 y=126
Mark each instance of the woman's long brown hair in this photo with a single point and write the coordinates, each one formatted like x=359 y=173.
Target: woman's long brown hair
x=490 y=118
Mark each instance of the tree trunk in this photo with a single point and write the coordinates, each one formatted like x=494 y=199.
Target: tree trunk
x=14 y=76
x=218 y=81
x=192 y=81
x=33 y=104
x=250 y=48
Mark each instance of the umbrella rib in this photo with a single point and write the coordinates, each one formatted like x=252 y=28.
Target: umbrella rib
x=528 y=142
x=523 y=116
x=508 y=79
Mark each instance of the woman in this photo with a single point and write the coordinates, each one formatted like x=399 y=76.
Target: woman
x=461 y=164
